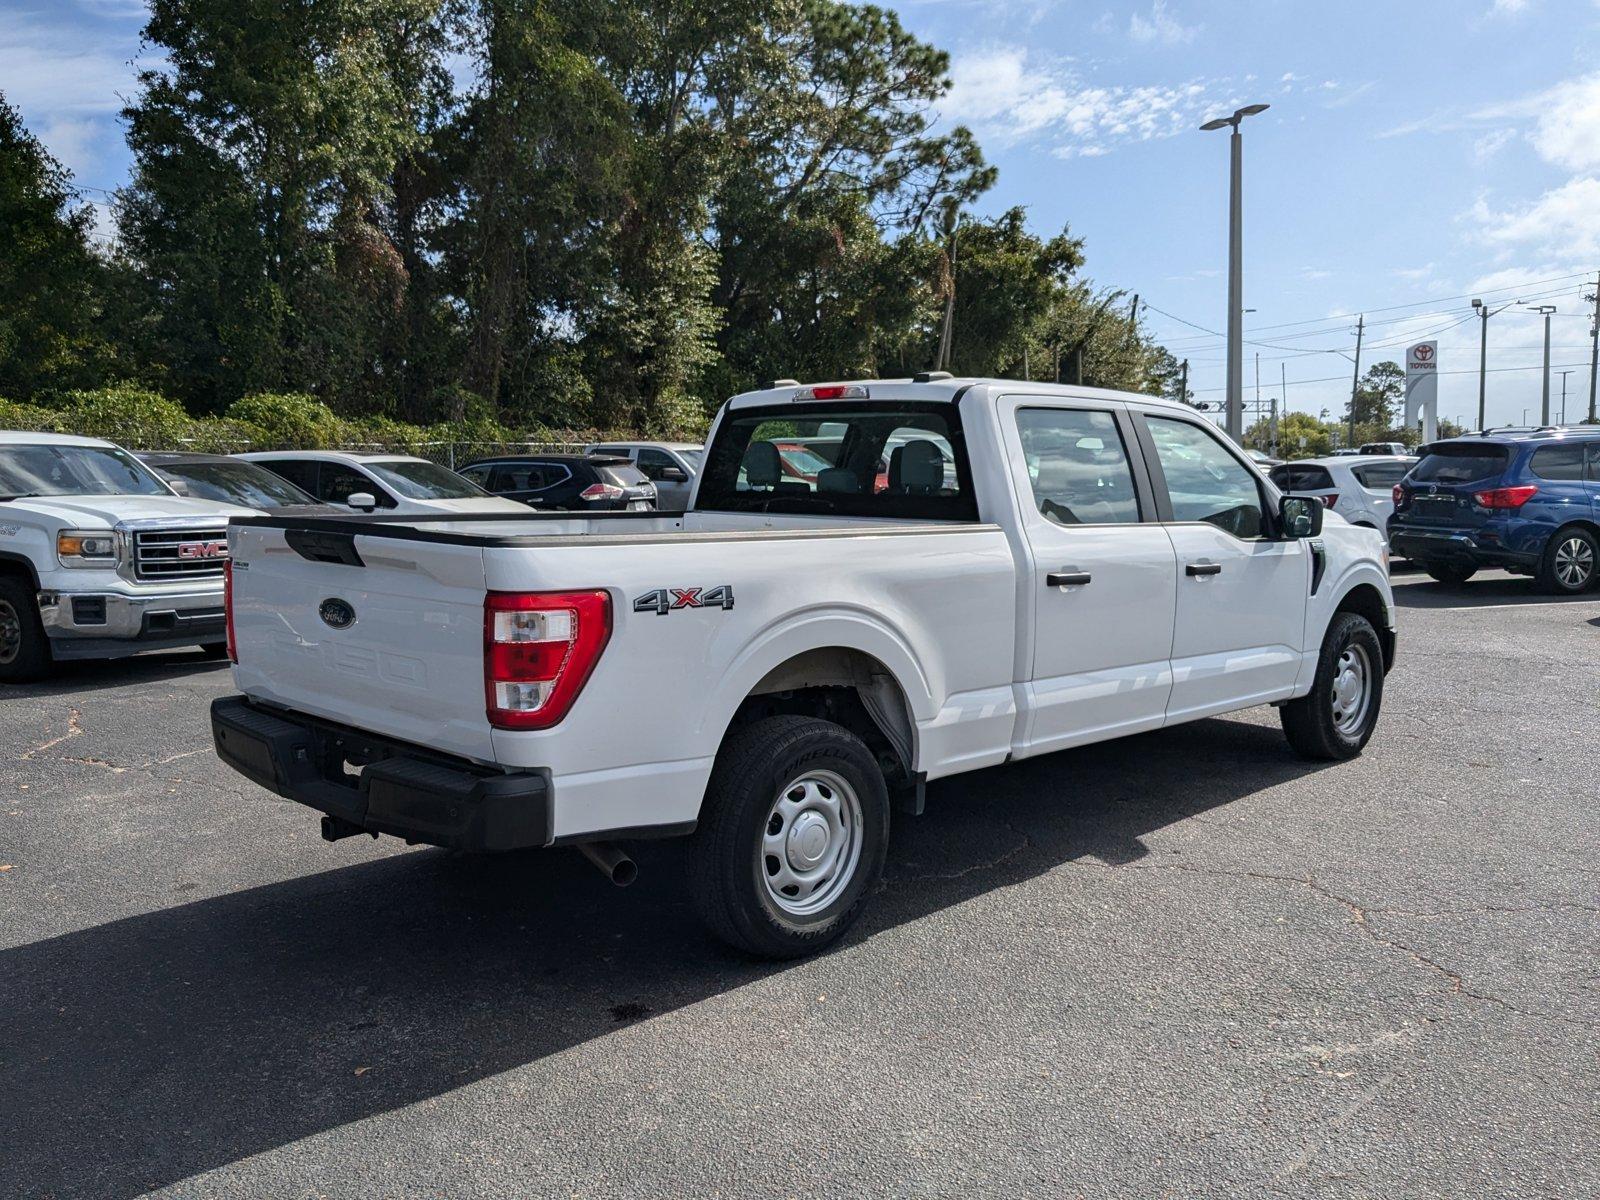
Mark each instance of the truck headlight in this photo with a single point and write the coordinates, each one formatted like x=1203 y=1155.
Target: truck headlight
x=76 y=548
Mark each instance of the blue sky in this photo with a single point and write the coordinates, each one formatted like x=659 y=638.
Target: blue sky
x=1417 y=152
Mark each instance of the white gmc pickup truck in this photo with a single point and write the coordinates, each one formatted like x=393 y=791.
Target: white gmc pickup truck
x=988 y=570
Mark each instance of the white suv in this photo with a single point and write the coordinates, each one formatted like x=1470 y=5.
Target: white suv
x=1359 y=487
x=394 y=483
x=99 y=558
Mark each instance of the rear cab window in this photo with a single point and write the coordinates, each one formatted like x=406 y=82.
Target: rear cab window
x=896 y=460
x=1461 y=463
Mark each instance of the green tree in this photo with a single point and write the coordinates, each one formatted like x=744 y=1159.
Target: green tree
x=1375 y=400
x=52 y=284
x=264 y=143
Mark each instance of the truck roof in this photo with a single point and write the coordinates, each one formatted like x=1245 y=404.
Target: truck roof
x=14 y=437
x=937 y=389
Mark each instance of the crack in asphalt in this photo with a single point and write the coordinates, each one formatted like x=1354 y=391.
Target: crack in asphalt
x=74 y=729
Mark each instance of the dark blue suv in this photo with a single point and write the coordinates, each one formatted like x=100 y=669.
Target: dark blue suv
x=1528 y=502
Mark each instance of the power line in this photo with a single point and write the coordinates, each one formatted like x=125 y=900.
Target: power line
x=1464 y=371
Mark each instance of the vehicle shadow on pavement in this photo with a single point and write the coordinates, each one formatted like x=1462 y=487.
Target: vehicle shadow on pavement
x=149 y=1049
x=1494 y=592
x=86 y=674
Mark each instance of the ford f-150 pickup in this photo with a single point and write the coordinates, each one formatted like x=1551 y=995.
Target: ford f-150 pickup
x=777 y=669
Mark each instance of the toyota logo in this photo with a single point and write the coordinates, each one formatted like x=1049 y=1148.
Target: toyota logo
x=336 y=613
x=1422 y=353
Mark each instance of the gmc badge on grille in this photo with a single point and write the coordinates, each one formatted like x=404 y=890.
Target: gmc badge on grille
x=216 y=549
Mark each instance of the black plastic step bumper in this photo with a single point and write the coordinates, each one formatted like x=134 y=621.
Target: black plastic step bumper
x=397 y=788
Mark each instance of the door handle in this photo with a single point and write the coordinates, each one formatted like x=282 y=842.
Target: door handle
x=1203 y=568
x=1067 y=578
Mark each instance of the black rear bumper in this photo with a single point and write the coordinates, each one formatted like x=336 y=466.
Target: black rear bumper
x=400 y=789
x=1453 y=548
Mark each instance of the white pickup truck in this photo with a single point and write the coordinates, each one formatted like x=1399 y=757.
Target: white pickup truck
x=100 y=557
x=773 y=670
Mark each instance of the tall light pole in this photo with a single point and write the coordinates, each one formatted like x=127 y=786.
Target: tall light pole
x=1235 y=422
x=1484 y=313
x=1564 y=375
x=1545 y=311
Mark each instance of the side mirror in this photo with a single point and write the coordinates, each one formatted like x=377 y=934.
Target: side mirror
x=181 y=486
x=365 y=501
x=1300 y=516
x=673 y=475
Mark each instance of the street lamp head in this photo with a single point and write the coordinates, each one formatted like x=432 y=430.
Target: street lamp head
x=1476 y=303
x=1250 y=110
x=1545 y=309
x=1218 y=123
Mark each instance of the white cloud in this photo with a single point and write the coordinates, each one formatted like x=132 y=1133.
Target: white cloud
x=1009 y=94
x=1562 y=221
x=1160 y=26
x=1491 y=143
x=1508 y=8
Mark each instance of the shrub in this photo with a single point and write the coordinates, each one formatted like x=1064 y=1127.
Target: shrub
x=30 y=418
x=287 y=420
x=127 y=415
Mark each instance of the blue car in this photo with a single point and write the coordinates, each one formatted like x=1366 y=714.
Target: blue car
x=1527 y=502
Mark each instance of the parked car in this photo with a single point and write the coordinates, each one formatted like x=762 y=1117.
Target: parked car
x=1105 y=563
x=1527 y=502
x=579 y=482
x=1359 y=488
x=391 y=483
x=99 y=558
x=671 y=466
x=231 y=480
x=1393 y=449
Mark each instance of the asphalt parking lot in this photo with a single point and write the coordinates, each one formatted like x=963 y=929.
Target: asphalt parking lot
x=1186 y=964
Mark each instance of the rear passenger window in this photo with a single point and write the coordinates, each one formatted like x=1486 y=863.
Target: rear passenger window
x=1558 y=463
x=339 y=483
x=1204 y=481
x=1077 y=466
x=1380 y=476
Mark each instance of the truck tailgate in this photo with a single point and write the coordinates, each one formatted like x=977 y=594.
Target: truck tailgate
x=391 y=642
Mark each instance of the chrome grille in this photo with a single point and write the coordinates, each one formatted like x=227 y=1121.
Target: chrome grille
x=160 y=554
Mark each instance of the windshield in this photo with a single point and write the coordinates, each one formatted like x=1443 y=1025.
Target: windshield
x=1464 y=463
x=74 y=471
x=236 y=483
x=425 y=480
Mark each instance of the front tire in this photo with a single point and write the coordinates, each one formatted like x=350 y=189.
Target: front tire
x=1337 y=717
x=24 y=648
x=1567 y=566
x=792 y=836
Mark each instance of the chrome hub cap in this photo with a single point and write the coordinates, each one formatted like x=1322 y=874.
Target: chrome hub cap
x=1574 y=562
x=10 y=633
x=811 y=844
x=1352 y=690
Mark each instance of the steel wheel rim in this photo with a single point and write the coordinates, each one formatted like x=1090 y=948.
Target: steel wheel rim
x=1574 y=562
x=1352 y=690
x=811 y=843
x=10 y=633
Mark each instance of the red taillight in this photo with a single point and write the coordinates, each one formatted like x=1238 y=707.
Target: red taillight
x=539 y=649
x=227 y=607
x=1399 y=495
x=1506 y=497
x=1330 y=499
x=600 y=491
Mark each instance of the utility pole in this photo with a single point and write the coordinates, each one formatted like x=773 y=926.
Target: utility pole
x=1483 y=361
x=1274 y=403
x=1355 y=378
x=1133 y=320
x=1258 y=385
x=1564 y=375
x=1545 y=311
x=1183 y=384
x=1594 y=346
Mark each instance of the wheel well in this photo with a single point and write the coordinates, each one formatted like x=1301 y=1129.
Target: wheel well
x=18 y=568
x=848 y=687
x=1366 y=601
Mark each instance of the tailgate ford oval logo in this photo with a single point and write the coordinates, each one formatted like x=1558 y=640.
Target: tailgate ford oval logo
x=336 y=613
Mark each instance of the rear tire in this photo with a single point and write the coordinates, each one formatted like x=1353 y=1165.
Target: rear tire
x=1449 y=575
x=24 y=648
x=1337 y=717
x=792 y=836
x=1567 y=566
